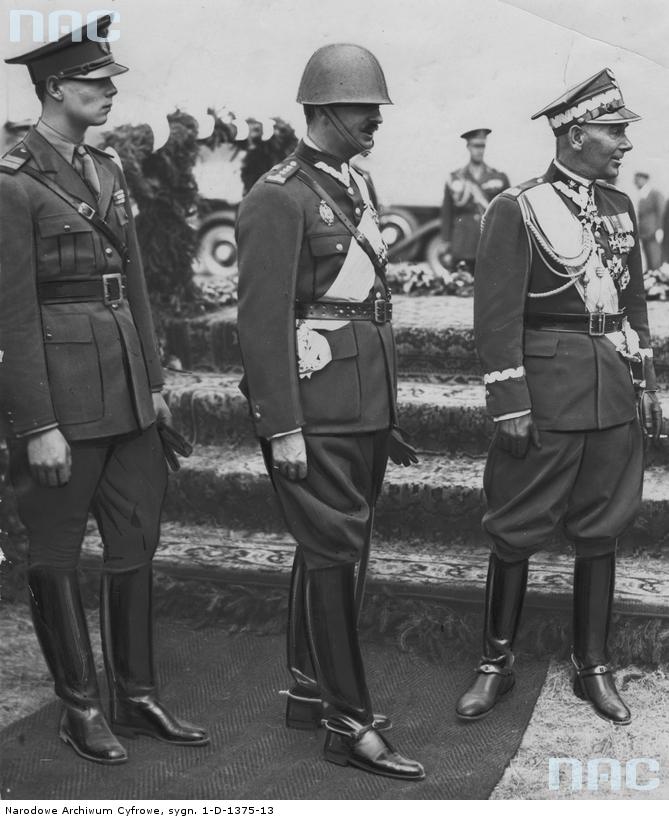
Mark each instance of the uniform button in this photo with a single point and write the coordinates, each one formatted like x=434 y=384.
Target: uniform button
x=350 y=190
x=115 y=306
x=256 y=415
x=357 y=211
x=67 y=227
x=49 y=334
x=109 y=251
x=378 y=294
x=339 y=246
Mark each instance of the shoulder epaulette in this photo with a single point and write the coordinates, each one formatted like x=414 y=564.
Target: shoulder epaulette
x=282 y=172
x=14 y=159
x=516 y=190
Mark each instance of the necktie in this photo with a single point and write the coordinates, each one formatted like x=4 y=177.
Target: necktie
x=84 y=165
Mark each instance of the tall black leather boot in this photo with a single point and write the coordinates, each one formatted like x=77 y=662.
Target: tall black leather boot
x=505 y=590
x=126 y=620
x=304 y=707
x=594 y=582
x=351 y=738
x=60 y=623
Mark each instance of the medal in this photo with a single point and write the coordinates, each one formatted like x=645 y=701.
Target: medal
x=326 y=214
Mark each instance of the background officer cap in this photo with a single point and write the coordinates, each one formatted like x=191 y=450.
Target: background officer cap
x=476 y=133
x=343 y=73
x=73 y=56
x=598 y=99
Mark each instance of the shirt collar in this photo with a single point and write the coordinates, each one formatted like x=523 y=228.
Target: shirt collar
x=61 y=143
x=586 y=183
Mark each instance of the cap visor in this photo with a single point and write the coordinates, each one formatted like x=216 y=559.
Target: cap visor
x=110 y=70
x=617 y=117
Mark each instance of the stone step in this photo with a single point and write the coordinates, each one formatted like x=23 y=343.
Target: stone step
x=433 y=334
x=439 y=500
x=208 y=408
x=213 y=564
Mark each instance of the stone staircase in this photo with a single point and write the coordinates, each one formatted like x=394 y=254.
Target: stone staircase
x=223 y=529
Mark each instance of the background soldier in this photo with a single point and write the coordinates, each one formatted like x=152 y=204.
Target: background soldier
x=560 y=320
x=650 y=211
x=80 y=392
x=468 y=191
x=319 y=361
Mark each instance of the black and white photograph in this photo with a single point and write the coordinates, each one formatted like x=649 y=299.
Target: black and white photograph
x=334 y=367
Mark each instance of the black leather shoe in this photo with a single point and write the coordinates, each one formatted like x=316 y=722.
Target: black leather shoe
x=304 y=710
x=353 y=744
x=491 y=684
x=88 y=733
x=145 y=715
x=595 y=684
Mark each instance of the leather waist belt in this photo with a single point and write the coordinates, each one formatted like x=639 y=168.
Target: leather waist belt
x=379 y=311
x=108 y=289
x=594 y=324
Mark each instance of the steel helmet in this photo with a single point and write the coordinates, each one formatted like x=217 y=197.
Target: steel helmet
x=343 y=73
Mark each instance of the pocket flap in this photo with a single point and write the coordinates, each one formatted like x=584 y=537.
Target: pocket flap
x=70 y=328
x=342 y=342
x=328 y=244
x=63 y=224
x=541 y=343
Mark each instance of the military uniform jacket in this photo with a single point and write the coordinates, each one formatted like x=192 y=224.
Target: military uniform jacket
x=465 y=201
x=291 y=248
x=570 y=381
x=85 y=367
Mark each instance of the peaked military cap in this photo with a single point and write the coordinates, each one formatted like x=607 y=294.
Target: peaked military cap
x=74 y=56
x=597 y=99
x=475 y=133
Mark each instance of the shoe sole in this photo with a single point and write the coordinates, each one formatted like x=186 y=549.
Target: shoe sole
x=132 y=733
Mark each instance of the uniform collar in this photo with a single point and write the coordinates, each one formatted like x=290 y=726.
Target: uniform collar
x=571 y=176
x=325 y=162
x=60 y=142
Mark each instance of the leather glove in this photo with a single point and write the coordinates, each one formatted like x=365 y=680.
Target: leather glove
x=399 y=450
x=174 y=444
x=650 y=414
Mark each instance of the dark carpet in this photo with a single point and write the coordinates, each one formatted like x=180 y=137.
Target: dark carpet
x=231 y=684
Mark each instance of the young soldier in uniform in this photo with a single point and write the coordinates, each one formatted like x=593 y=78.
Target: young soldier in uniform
x=80 y=393
x=319 y=361
x=467 y=194
x=562 y=332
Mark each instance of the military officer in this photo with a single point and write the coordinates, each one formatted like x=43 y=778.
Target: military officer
x=562 y=333
x=80 y=393
x=319 y=361
x=467 y=194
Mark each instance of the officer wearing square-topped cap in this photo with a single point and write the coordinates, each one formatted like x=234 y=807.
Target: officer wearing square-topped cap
x=80 y=395
x=562 y=332
x=468 y=192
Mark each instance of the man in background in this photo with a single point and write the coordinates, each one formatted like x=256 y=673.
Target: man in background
x=467 y=194
x=650 y=211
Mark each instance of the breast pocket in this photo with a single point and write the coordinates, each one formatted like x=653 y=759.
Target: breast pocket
x=67 y=244
x=331 y=244
x=74 y=368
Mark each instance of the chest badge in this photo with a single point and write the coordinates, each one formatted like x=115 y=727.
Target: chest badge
x=325 y=213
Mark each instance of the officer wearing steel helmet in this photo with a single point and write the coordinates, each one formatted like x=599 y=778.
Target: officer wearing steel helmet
x=319 y=362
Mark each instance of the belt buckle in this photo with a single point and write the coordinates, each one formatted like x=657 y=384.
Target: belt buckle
x=112 y=288
x=86 y=211
x=596 y=324
x=383 y=311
